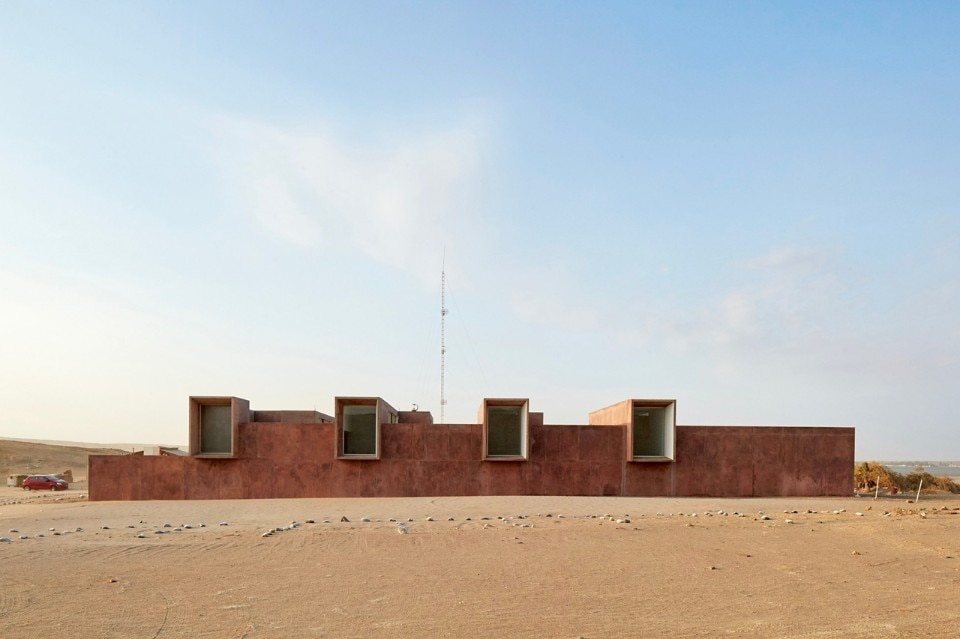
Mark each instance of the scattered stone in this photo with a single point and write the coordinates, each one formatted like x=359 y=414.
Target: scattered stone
x=788 y=521
x=5 y=540
x=409 y=518
x=141 y=536
x=344 y=519
x=111 y=580
x=450 y=519
x=468 y=519
x=169 y=526
x=660 y=514
x=51 y=529
x=269 y=533
x=223 y=523
x=309 y=521
x=201 y=525
x=14 y=530
x=28 y=537
x=40 y=535
x=393 y=520
x=56 y=533
x=765 y=518
x=429 y=518
x=158 y=532
x=855 y=552
x=859 y=514
x=188 y=527
x=365 y=520
x=131 y=526
x=548 y=515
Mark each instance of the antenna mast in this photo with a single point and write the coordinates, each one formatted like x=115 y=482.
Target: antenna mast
x=443 y=323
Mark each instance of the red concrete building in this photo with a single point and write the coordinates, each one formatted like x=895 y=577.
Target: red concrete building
x=369 y=449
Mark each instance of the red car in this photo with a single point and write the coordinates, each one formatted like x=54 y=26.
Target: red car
x=44 y=482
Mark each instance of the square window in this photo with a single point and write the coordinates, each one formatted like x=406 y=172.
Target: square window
x=359 y=430
x=652 y=429
x=359 y=421
x=215 y=430
x=649 y=432
x=214 y=426
x=649 y=427
x=505 y=429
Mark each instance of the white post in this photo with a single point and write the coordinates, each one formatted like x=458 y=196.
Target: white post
x=918 y=489
x=877 y=492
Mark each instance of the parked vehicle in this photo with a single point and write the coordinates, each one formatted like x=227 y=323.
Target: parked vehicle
x=44 y=482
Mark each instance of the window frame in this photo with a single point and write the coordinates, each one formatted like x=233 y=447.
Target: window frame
x=484 y=418
x=384 y=414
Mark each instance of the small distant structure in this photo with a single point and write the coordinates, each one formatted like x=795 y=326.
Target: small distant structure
x=159 y=451
x=16 y=480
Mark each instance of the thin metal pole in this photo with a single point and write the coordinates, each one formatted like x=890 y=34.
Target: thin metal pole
x=443 y=342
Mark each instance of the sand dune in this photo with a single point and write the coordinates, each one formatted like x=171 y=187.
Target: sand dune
x=17 y=456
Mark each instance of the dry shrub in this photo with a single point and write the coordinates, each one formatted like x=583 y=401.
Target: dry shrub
x=865 y=477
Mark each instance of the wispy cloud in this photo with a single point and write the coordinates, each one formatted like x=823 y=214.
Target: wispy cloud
x=787 y=258
x=398 y=202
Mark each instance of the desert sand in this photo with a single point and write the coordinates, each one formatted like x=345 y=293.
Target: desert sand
x=562 y=570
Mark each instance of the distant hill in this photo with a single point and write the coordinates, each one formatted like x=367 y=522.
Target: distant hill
x=36 y=458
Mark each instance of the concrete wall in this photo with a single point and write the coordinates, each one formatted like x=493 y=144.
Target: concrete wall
x=277 y=460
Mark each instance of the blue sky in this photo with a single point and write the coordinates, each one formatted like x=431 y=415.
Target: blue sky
x=749 y=207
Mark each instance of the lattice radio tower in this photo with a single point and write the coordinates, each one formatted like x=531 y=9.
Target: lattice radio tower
x=443 y=326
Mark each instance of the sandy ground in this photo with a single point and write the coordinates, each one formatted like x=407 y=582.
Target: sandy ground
x=562 y=570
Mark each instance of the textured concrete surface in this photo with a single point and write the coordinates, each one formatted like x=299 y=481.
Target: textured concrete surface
x=279 y=460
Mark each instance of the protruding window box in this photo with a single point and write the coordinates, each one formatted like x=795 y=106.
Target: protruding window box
x=505 y=436
x=650 y=424
x=358 y=426
x=214 y=425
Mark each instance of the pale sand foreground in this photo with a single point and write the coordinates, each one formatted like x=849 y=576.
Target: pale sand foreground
x=826 y=575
